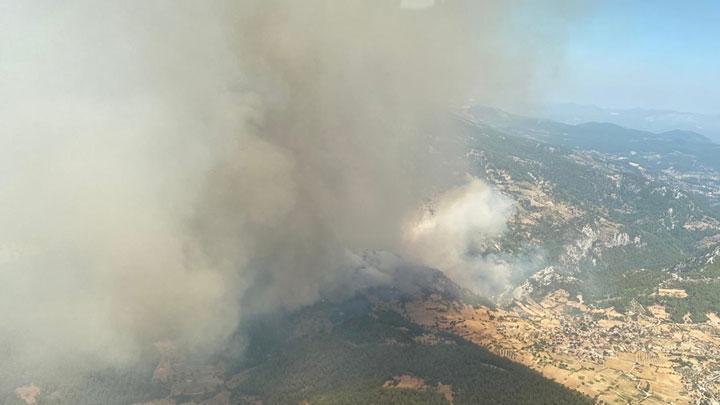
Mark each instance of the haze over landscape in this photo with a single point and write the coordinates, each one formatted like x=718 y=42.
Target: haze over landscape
x=359 y=201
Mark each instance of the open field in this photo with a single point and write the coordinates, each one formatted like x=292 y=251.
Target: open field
x=609 y=356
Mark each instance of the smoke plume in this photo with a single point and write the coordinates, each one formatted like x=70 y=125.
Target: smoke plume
x=168 y=166
x=449 y=235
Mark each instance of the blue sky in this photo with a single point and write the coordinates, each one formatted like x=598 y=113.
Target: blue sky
x=649 y=54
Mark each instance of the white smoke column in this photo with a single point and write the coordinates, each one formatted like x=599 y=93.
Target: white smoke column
x=454 y=229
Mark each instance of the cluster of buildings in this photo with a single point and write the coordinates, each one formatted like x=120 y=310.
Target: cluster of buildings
x=640 y=355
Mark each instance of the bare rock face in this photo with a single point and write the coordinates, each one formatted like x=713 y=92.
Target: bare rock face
x=446 y=391
x=28 y=393
x=406 y=382
x=410 y=382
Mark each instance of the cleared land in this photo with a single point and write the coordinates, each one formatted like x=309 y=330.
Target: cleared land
x=611 y=357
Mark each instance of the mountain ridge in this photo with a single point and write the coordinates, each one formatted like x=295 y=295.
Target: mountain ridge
x=654 y=120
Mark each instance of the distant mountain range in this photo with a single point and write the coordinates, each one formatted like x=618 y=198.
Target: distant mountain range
x=673 y=149
x=638 y=118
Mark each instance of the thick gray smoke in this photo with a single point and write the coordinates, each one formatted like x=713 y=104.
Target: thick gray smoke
x=170 y=165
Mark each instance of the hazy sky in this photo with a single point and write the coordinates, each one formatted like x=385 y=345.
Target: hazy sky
x=650 y=54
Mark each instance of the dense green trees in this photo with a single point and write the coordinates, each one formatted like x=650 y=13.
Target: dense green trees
x=350 y=364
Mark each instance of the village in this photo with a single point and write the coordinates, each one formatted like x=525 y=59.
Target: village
x=612 y=357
